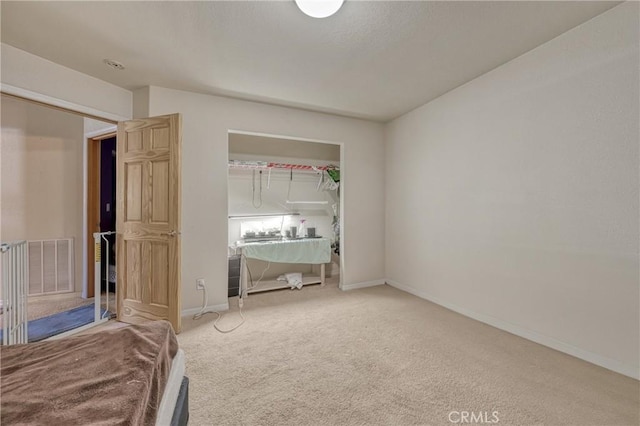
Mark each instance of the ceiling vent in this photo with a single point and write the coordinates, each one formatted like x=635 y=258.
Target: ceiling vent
x=114 y=64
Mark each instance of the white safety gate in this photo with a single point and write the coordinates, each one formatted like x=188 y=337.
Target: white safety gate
x=99 y=238
x=15 y=287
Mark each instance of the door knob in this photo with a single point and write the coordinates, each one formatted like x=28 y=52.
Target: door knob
x=171 y=233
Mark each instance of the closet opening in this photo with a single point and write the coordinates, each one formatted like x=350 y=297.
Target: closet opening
x=285 y=213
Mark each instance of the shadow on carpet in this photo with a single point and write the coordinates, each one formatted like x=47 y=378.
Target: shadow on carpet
x=52 y=325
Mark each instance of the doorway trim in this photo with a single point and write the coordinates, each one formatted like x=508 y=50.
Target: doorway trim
x=59 y=104
x=342 y=177
x=91 y=188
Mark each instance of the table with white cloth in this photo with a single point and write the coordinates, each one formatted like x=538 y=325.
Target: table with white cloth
x=311 y=251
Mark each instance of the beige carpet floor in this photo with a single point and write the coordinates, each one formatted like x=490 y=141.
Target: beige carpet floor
x=379 y=356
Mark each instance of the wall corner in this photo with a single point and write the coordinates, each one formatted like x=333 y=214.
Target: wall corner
x=141 y=102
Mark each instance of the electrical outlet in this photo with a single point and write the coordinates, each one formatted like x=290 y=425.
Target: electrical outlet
x=200 y=284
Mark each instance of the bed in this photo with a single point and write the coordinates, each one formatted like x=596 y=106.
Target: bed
x=128 y=376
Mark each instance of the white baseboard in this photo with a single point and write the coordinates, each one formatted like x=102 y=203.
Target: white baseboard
x=363 y=284
x=216 y=308
x=591 y=357
x=55 y=296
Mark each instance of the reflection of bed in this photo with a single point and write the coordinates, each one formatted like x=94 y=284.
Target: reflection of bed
x=132 y=375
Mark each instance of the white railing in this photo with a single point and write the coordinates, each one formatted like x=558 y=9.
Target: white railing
x=51 y=266
x=14 y=292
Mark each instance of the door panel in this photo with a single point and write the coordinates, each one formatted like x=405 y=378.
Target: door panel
x=134 y=142
x=160 y=198
x=133 y=177
x=160 y=139
x=149 y=220
x=160 y=273
x=133 y=269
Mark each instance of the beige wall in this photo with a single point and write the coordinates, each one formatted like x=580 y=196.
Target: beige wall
x=49 y=82
x=252 y=145
x=36 y=78
x=514 y=198
x=41 y=176
x=206 y=123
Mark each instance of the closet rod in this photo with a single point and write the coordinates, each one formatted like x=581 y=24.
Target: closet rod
x=244 y=216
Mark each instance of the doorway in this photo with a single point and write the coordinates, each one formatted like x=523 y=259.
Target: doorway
x=108 y=212
x=43 y=193
x=101 y=212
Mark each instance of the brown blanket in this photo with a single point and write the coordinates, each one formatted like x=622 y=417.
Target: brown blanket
x=113 y=377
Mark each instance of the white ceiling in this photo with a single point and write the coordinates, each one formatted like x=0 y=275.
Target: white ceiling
x=374 y=60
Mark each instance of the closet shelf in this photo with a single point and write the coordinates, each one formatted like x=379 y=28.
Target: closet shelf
x=268 y=285
x=265 y=165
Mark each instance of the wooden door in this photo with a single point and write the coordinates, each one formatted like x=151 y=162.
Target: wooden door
x=148 y=219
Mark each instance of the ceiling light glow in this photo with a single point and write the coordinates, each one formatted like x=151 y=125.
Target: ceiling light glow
x=319 y=8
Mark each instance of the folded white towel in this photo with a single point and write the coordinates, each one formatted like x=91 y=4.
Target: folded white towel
x=294 y=279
